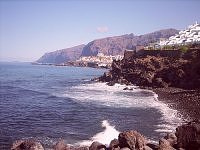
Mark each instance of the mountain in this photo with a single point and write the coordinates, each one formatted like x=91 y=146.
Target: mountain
x=116 y=45
x=61 y=56
x=108 y=46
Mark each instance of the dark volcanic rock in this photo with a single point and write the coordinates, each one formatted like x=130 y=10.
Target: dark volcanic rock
x=61 y=146
x=172 y=139
x=153 y=146
x=27 y=145
x=97 y=146
x=156 y=71
x=114 y=145
x=188 y=136
x=131 y=139
x=165 y=145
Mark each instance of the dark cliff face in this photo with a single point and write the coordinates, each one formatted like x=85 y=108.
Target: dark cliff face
x=116 y=45
x=157 y=71
x=62 y=56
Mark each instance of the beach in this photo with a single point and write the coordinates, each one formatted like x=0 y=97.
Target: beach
x=186 y=102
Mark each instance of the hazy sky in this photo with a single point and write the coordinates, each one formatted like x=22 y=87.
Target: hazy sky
x=29 y=28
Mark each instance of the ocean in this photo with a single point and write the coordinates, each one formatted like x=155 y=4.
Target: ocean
x=49 y=103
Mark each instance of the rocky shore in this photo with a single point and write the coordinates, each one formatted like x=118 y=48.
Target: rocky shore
x=176 y=80
x=157 y=71
x=186 y=137
x=186 y=102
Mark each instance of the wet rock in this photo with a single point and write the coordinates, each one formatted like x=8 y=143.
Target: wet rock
x=114 y=145
x=128 y=88
x=125 y=148
x=82 y=148
x=61 y=146
x=188 y=135
x=147 y=148
x=27 y=145
x=97 y=146
x=171 y=138
x=165 y=145
x=111 y=83
x=153 y=146
x=131 y=139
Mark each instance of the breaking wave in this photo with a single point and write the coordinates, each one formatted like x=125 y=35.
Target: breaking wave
x=99 y=94
x=109 y=133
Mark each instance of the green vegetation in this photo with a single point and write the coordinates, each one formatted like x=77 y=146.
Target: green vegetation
x=184 y=48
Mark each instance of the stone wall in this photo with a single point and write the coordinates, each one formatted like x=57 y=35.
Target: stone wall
x=162 y=53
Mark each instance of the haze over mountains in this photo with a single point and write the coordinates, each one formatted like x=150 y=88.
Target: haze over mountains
x=108 y=46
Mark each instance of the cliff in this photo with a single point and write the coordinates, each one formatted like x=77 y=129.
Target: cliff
x=157 y=71
x=116 y=45
x=62 y=56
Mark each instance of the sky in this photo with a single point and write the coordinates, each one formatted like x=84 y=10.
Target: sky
x=30 y=28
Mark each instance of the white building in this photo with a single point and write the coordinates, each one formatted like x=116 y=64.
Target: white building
x=187 y=36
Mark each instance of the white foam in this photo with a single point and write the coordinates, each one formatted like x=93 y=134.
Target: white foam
x=104 y=137
x=115 y=96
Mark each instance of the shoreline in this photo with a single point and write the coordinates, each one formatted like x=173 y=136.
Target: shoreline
x=186 y=102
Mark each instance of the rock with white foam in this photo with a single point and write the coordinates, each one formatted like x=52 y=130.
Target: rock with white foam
x=132 y=139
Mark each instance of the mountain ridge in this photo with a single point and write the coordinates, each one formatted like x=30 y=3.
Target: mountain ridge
x=115 y=45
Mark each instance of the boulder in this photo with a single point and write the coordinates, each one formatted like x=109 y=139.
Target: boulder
x=114 y=145
x=153 y=146
x=164 y=145
x=82 y=148
x=125 y=148
x=27 y=145
x=147 y=148
x=131 y=139
x=61 y=146
x=188 y=135
x=171 y=138
x=97 y=146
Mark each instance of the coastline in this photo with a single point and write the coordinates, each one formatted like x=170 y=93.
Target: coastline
x=186 y=102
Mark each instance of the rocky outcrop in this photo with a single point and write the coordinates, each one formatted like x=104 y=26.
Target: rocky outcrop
x=27 y=145
x=97 y=146
x=61 y=146
x=188 y=136
x=157 y=71
x=131 y=139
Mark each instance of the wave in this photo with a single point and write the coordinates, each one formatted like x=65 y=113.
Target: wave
x=109 y=133
x=100 y=94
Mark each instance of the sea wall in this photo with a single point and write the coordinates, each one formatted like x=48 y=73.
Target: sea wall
x=161 y=53
x=144 y=53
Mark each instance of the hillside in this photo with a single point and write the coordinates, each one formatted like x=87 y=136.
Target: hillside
x=116 y=45
x=108 y=46
x=61 y=56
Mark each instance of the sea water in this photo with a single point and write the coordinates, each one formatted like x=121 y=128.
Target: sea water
x=49 y=103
